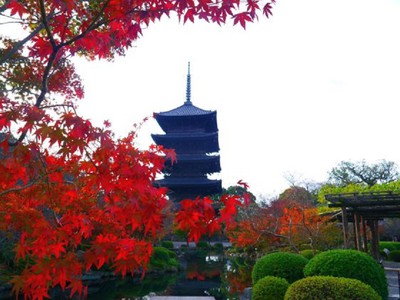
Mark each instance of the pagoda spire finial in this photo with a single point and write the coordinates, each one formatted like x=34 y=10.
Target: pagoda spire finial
x=188 y=90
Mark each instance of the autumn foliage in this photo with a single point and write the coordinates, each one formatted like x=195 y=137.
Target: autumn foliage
x=286 y=222
x=73 y=196
x=198 y=217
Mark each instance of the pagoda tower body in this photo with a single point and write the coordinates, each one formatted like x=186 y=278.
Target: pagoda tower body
x=193 y=133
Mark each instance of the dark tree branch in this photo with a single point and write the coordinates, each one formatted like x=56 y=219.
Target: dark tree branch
x=18 y=45
x=46 y=25
x=19 y=188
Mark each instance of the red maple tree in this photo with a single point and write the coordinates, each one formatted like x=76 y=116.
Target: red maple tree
x=281 y=223
x=66 y=186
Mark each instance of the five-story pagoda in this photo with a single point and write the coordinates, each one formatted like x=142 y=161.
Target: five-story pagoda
x=193 y=133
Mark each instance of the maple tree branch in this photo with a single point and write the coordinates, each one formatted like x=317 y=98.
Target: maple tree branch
x=57 y=105
x=93 y=25
x=43 y=90
x=288 y=237
x=58 y=221
x=311 y=235
x=10 y=22
x=45 y=79
x=20 y=188
x=18 y=45
x=46 y=25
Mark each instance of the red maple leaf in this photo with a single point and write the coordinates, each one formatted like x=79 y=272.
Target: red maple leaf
x=243 y=184
x=267 y=9
x=17 y=8
x=242 y=19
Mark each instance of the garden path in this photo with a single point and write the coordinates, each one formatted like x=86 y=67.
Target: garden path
x=393 y=279
x=181 y=298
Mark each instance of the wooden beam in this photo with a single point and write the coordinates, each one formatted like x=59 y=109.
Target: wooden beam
x=373 y=225
x=345 y=228
x=357 y=231
x=365 y=239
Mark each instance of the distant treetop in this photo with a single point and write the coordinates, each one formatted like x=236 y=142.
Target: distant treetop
x=361 y=172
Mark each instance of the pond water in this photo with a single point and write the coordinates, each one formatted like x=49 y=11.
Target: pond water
x=210 y=275
x=201 y=274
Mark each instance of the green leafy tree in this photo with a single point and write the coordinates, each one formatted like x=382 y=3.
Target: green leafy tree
x=348 y=172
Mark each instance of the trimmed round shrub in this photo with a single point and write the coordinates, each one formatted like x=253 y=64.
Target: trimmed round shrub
x=308 y=253
x=167 y=244
x=269 y=288
x=330 y=288
x=163 y=258
x=349 y=264
x=394 y=255
x=279 y=264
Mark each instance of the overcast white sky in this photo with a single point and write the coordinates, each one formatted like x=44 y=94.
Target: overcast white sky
x=317 y=83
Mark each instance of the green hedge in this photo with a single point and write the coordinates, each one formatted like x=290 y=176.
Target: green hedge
x=202 y=244
x=280 y=264
x=330 y=288
x=167 y=244
x=269 y=288
x=349 y=264
x=391 y=246
x=162 y=258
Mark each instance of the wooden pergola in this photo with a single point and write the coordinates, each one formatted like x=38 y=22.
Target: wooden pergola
x=365 y=209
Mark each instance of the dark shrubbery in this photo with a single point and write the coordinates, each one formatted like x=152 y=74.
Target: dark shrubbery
x=167 y=244
x=280 y=264
x=394 y=255
x=329 y=288
x=349 y=264
x=269 y=288
x=219 y=247
x=202 y=244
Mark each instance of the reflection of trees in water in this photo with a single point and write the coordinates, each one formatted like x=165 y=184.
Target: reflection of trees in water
x=202 y=275
x=135 y=288
x=202 y=268
x=236 y=277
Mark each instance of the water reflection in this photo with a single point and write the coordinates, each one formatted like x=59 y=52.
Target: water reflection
x=236 y=278
x=201 y=275
x=214 y=258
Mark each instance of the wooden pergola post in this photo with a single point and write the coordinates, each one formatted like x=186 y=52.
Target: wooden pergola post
x=357 y=233
x=345 y=228
x=367 y=209
x=365 y=239
x=373 y=225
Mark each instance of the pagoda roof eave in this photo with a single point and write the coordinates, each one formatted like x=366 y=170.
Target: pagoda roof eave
x=188 y=135
x=185 y=110
x=197 y=158
x=183 y=182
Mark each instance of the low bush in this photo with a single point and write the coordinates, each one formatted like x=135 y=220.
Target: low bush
x=219 y=246
x=394 y=255
x=280 y=264
x=349 y=264
x=202 y=244
x=269 y=288
x=167 y=244
x=308 y=253
x=330 y=288
x=162 y=258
